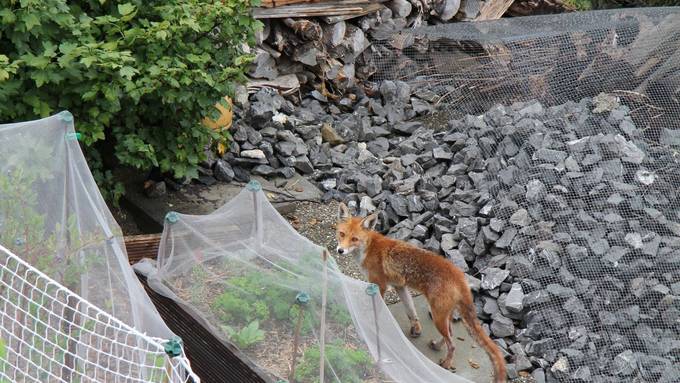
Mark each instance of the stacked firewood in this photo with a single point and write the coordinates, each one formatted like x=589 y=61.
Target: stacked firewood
x=325 y=46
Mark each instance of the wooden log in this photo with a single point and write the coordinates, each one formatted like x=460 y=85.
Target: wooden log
x=493 y=9
x=307 y=29
x=344 y=8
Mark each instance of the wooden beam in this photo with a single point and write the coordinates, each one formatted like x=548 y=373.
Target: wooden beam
x=493 y=9
x=345 y=8
x=142 y=246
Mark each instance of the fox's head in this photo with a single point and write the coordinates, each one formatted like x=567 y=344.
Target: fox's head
x=353 y=232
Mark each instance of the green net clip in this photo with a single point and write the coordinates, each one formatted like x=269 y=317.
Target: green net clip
x=73 y=136
x=372 y=289
x=173 y=347
x=172 y=217
x=253 y=186
x=302 y=298
x=66 y=117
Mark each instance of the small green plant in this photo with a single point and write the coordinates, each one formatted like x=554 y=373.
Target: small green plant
x=247 y=336
x=232 y=308
x=350 y=363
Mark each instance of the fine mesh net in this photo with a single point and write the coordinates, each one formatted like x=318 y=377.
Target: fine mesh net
x=253 y=280
x=565 y=136
x=53 y=218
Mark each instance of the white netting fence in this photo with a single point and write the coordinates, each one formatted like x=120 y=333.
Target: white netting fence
x=50 y=334
x=53 y=218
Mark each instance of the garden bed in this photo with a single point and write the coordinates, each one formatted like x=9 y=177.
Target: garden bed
x=253 y=311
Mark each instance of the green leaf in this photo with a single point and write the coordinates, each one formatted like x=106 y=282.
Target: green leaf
x=128 y=72
x=7 y=16
x=40 y=78
x=126 y=9
x=30 y=20
x=88 y=61
x=36 y=61
x=3 y=349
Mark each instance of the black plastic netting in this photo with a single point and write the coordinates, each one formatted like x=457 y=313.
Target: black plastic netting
x=565 y=136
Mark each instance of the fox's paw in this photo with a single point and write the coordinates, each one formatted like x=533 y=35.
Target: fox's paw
x=435 y=345
x=447 y=364
x=416 y=330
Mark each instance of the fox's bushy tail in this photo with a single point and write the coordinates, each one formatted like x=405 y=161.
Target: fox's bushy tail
x=469 y=316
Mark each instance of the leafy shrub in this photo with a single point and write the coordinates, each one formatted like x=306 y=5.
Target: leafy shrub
x=140 y=74
x=350 y=363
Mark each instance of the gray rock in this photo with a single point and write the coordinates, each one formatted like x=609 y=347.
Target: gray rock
x=264 y=170
x=366 y=205
x=398 y=204
x=514 y=302
x=223 y=171
x=407 y=127
x=467 y=227
x=506 y=239
x=371 y=185
x=550 y=155
x=304 y=165
x=520 y=218
x=285 y=148
x=560 y=291
x=256 y=154
x=625 y=363
x=493 y=277
x=536 y=191
x=502 y=326
x=670 y=137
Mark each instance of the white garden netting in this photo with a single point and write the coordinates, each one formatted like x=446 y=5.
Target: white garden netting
x=50 y=334
x=53 y=218
x=251 y=278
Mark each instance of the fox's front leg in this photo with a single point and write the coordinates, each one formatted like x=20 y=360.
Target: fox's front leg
x=407 y=300
x=382 y=284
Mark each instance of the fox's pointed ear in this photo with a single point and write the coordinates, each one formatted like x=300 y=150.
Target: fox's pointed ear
x=343 y=212
x=370 y=221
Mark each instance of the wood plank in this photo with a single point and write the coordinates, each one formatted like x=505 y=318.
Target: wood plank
x=142 y=246
x=370 y=8
x=331 y=8
x=493 y=9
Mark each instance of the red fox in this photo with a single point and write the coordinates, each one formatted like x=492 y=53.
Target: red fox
x=389 y=262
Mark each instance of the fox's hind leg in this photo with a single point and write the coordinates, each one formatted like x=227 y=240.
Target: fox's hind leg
x=442 y=320
x=407 y=300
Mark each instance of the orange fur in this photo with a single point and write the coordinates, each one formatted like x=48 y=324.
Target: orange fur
x=389 y=262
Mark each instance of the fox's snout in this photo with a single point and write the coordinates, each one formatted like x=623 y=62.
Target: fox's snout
x=345 y=250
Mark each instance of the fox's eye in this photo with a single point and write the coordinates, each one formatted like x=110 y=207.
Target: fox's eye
x=342 y=235
x=354 y=239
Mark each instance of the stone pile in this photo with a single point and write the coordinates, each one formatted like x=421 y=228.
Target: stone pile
x=565 y=218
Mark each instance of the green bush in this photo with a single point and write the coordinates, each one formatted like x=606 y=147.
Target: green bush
x=140 y=74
